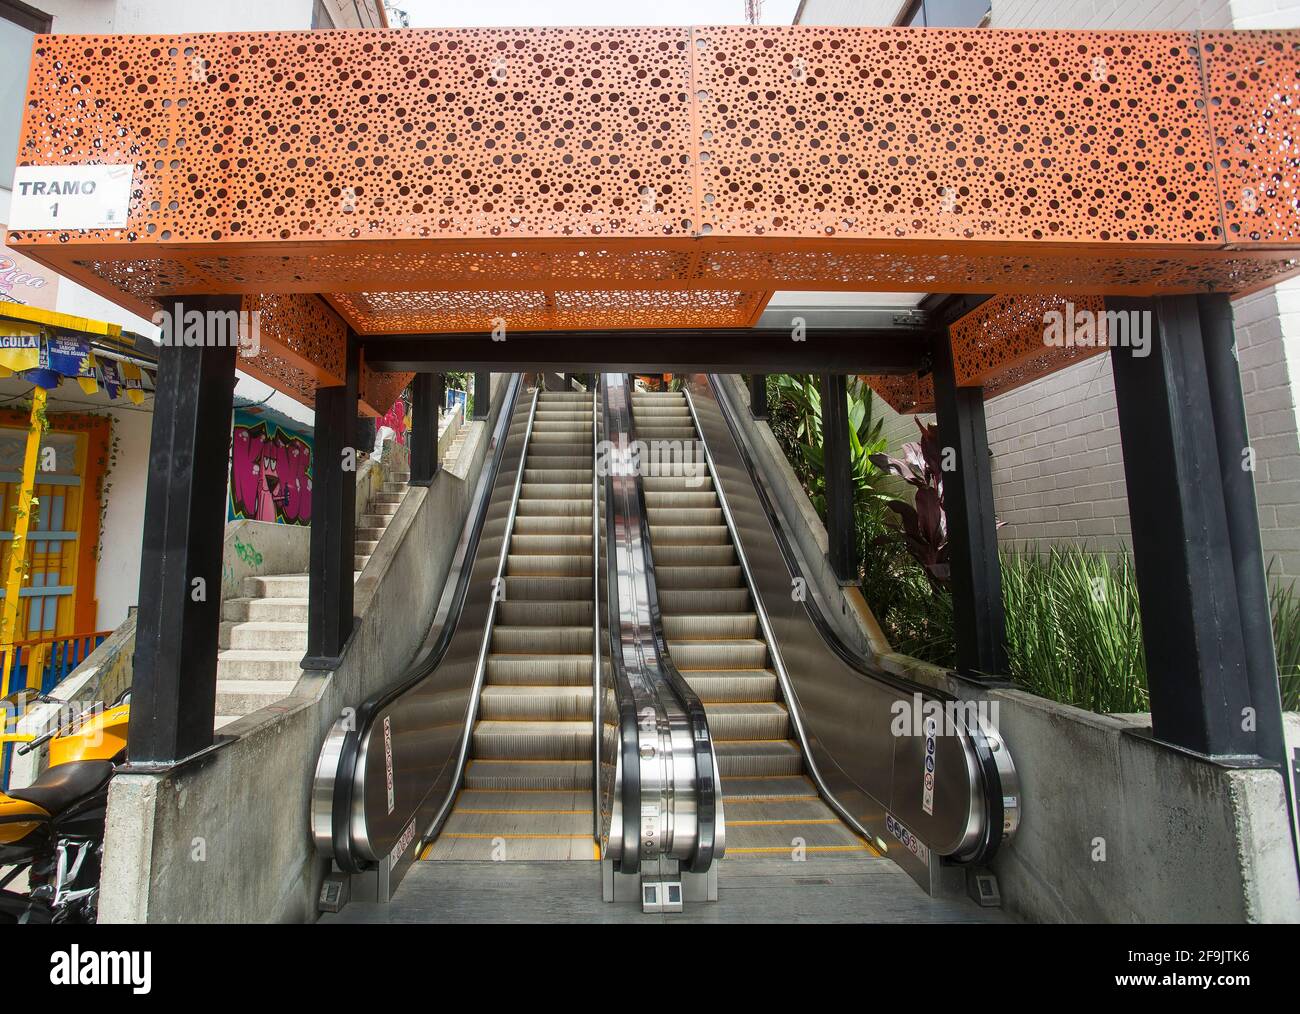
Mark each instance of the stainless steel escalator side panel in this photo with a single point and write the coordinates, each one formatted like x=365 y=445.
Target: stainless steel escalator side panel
x=419 y=741
x=331 y=807
x=865 y=738
x=661 y=781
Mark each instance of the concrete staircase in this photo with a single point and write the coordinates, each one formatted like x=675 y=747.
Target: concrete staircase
x=264 y=631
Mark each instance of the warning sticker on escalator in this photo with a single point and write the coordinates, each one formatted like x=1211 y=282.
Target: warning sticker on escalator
x=388 y=761
x=927 y=790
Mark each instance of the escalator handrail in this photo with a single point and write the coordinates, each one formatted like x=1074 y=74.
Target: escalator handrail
x=706 y=789
x=629 y=731
x=344 y=785
x=990 y=776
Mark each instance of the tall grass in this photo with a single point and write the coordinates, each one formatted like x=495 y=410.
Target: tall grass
x=1074 y=628
x=1286 y=641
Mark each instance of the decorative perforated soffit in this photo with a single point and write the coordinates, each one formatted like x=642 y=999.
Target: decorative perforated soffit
x=302 y=345
x=567 y=178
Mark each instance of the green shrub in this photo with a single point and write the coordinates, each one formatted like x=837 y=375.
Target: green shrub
x=1074 y=629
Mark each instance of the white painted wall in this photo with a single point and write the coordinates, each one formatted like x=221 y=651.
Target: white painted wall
x=117 y=576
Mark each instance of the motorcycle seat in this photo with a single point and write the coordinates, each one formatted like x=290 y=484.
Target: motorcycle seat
x=59 y=787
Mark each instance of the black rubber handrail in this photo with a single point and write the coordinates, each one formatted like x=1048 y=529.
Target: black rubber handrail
x=345 y=772
x=706 y=789
x=629 y=734
x=990 y=780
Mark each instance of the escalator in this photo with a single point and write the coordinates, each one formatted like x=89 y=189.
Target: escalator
x=713 y=636
x=820 y=752
x=528 y=782
x=537 y=722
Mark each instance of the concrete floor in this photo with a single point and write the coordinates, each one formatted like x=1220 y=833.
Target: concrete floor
x=820 y=890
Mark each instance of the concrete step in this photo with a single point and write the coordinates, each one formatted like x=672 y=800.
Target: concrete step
x=243 y=697
x=264 y=635
x=291 y=586
x=256 y=664
x=282 y=610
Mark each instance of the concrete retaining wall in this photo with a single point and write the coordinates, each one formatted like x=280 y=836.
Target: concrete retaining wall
x=1115 y=827
x=226 y=838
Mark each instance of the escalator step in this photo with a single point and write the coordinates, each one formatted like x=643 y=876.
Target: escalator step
x=492 y=825
x=562 y=589
x=753 y=721
x=710 y=626
x=539 y=670
x=740 y=788
x=535 y=704
x=539 y=565
x=543 y=614
x=471 y=800
x=550 y=545
x=757 y=757
x=679 y=516
x=676 y=601
x=741 y=653
x=553 y=525
x=699 y=577
x=494 y=740
x=723 y=687
x=554 y=508
x=541 y=640
x=516 y=847
x=775 y=839
x=517 y=775
x=689 y=535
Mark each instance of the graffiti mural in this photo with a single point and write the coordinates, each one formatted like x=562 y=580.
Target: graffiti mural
x=270 y=473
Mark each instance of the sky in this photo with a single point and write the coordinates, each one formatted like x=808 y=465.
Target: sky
x=514 y=13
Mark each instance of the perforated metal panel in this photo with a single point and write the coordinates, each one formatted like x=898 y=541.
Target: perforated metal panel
x=434 y=180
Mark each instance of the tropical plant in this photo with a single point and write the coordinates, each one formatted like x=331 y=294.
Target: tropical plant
x=924 y=522
x=802 y=394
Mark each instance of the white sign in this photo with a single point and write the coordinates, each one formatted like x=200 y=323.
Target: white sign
x=70 y=197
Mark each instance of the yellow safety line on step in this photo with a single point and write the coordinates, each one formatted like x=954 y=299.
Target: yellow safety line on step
x=807 y=848
x=769 y=823
x=587 y=812
x=555 y=837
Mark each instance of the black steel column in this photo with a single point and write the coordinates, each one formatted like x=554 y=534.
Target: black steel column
x=1236 y=470
x=979 y=618
x=428 y=398
x=758 y=395
x=482 y=394
x=841 y=525
x=174 y=683
x=1182 y=545
x=333 y=521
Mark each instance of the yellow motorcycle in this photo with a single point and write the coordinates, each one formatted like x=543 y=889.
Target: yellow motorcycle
x=54 y=828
